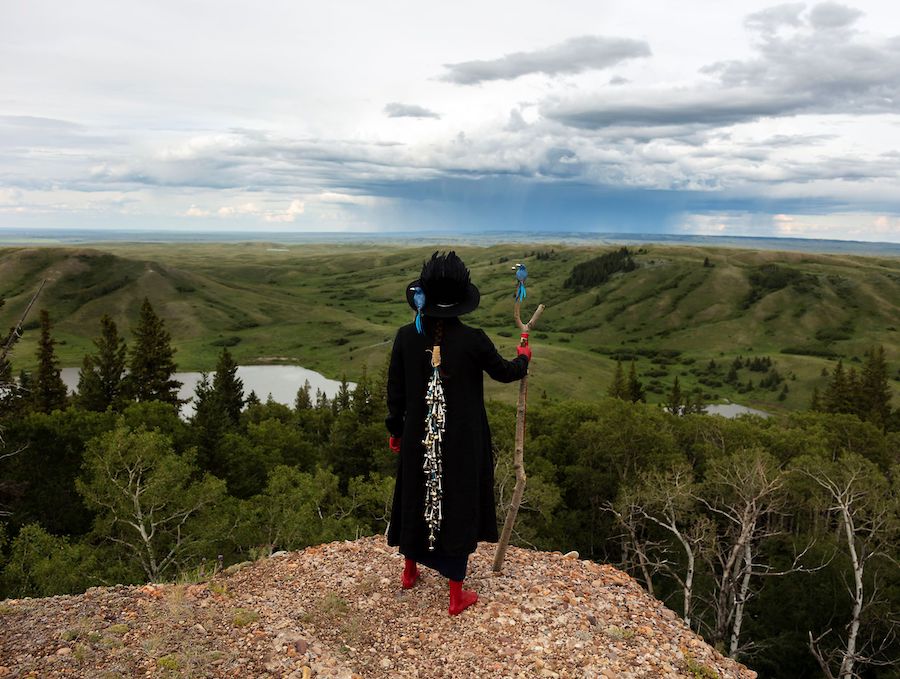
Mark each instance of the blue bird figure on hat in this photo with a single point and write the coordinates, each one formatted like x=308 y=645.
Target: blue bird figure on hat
x=419 y=301
x=521 y=275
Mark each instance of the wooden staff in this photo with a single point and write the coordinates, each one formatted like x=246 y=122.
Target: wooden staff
x=519 y=452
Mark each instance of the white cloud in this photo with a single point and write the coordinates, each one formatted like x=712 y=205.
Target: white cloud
x=295 y=209
x=236 y=210
x=245 y=124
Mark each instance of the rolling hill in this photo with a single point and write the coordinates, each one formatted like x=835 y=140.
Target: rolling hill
x=685 y=311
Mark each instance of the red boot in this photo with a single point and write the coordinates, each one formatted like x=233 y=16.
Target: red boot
x=410 y=574
x=460 y=599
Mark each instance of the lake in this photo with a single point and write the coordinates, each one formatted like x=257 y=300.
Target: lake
x=281 y=381
x=733 y=410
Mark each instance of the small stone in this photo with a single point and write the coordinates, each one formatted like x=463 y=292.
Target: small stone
x=65 y=650
x=200 y=628
x=570 y=555
x=301 y=645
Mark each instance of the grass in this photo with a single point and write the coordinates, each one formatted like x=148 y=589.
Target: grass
x=334 y=308
x=243 y=617
x=619 y=633
x=697 y=669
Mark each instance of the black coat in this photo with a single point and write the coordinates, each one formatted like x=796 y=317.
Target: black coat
x=469 y=515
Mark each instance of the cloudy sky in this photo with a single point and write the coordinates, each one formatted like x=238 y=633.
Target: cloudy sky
x=703 y=116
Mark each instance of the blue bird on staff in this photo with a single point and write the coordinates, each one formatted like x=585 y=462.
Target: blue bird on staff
x=521 y=275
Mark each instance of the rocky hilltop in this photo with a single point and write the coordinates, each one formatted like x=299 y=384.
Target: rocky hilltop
x=337 y=610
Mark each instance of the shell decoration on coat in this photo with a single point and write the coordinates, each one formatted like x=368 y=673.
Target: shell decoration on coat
x=435 y=421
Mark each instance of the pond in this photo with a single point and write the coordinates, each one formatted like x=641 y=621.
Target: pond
x=281 y=381
x=733 y=410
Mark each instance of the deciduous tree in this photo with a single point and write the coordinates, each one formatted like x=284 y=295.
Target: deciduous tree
x=149 y=500
x=865 y=508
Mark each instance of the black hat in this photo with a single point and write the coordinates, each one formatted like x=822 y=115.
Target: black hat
x=445 y=281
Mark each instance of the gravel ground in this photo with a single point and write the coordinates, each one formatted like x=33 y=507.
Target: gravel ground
x=337 y=611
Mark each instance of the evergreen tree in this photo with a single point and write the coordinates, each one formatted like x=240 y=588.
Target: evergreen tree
x=635 y=388
x=152 y=365
x=102 y=377
x=694 y=403
x=838 y=397
x=815 y=403
x=675 y=400
x=341 y=400
x=854 y=391
x=321 y=399
x=209 y=423
x=252 y=399
x=361 y=399
x=618 y=388
x=90 y=392
x=732 y=376
x=110 y=362
x=783 y=393
x=303 y=400
x=228 y=387
x=48 y=390
x=874 y=389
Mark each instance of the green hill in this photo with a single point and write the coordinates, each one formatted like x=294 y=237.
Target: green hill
x=333 y=308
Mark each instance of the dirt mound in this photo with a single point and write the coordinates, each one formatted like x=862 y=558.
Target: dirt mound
x=337 y=610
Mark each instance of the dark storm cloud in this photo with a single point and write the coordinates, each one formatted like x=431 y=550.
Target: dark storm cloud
x=700 y=109
x=397 y=110
x=820 y=66
x=571 y=56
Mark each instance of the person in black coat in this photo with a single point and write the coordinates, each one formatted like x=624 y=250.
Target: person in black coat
x=444 y=494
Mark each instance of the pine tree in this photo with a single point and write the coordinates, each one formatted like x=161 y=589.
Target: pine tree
x=303 y=400
x=101 y=382
x=874 y=388
x=152 y=366
x=635 y=388
x=110 y=361
x=694 y=403
x=854 y=390
x=209 y=424
x=815 y=403
x=361 y=399
x=838 y=395
x=90 y=392
x=732 y=376
x=228 y=387
x=252 y=399
x=618 y=388
x=675 y=400
x=341 y=401
x=48 y=390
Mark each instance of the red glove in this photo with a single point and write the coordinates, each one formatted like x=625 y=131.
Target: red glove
x=523 y=349
x=394 y=443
